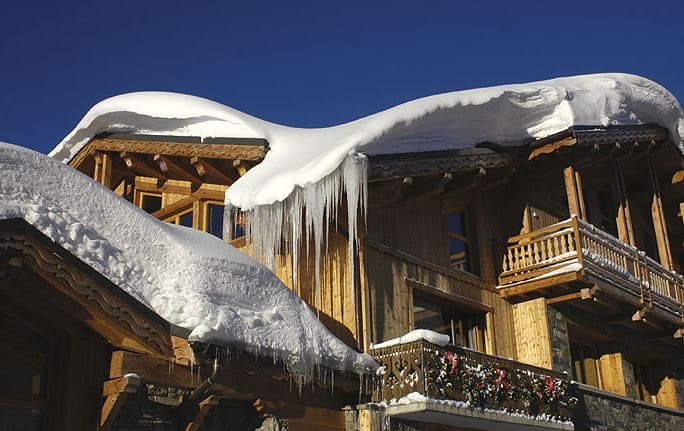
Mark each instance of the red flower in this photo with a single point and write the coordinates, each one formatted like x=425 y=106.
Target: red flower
x=502 y=379
x=453 y=360
x=550 y=384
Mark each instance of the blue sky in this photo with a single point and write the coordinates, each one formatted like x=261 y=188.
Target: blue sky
x=311 y=63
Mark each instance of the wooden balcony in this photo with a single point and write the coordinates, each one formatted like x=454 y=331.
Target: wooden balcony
x=472 y=383
x=573 y=260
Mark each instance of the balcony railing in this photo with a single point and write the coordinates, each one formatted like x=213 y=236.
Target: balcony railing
x=573 y=246
x=474 y=379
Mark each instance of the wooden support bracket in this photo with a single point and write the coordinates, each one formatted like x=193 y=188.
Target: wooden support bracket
x=140 y=166
x=205 y=167
x=640 y=314
x=170 y=167
x=116 y=392
x=205 y=407
x=240 y=166
x=679 y=333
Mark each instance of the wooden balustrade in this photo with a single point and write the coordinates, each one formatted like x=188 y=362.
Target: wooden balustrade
x=477 y=379
x=574 y=245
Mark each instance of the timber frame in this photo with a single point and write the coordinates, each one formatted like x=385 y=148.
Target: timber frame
x=113 y=158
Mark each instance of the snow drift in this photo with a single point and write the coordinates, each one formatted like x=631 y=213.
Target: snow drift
x=189 y=278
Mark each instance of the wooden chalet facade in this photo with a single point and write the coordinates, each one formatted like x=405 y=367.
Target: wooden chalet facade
x=560 y=259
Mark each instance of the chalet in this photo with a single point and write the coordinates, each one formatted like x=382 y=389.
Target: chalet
x=101 y=331
x=545 y=248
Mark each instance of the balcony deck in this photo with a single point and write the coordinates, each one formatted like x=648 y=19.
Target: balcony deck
x=461 y=386
x=573 y=259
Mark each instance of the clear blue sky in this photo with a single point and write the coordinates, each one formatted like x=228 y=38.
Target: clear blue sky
x=312 y=63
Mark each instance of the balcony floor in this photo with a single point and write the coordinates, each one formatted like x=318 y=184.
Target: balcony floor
x=451 y=414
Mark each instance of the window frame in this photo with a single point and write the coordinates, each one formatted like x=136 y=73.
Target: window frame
x=469 y=239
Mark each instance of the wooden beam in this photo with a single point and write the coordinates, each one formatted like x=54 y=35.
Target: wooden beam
x=172 y=147
x=564 y=298
x=571 y=191
x=659 y=222
x=240 y=166
x=116 y=392
x=140 y=166
x=205 y=407
x=171 y=168
x=103 y=169
x=152 y=370
x=624 y=213
x=205 y=167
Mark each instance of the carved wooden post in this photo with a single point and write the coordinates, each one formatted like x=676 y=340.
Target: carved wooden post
x=573 y=188
x=103 y=169
x=659 y=224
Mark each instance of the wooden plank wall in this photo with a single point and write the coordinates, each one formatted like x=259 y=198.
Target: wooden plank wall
x=338 y=309
x=532 y=333
x=418 y=227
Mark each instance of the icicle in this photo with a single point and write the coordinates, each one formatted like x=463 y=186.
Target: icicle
x=355 y=174
x=306 y=216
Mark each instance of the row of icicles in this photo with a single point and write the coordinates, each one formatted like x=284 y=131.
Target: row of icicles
x=306 y=215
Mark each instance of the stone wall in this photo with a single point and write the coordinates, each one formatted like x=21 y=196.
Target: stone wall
x=154 y=408
x=560 y=345
x=603 y=411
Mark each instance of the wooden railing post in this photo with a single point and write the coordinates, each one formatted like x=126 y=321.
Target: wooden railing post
x=578 y=240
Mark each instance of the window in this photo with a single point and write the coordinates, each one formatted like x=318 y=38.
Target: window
x=459 y=232
x=183 y=219
x=585 y=364
x=150 y=202
x=215 y=219
x=464 y=327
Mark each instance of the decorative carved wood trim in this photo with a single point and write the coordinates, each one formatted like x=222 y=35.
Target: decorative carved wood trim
x=143 y=144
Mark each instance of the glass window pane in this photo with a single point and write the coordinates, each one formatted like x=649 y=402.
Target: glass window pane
x=215 y=220
x=151 y=203
x=464 y=328
x=185 y=219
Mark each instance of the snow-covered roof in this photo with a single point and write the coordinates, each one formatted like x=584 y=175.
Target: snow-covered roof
x=189 y=278
x=506 y=114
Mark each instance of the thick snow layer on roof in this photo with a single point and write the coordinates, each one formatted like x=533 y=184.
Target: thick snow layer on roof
x=190 y=278
x=506 y=114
